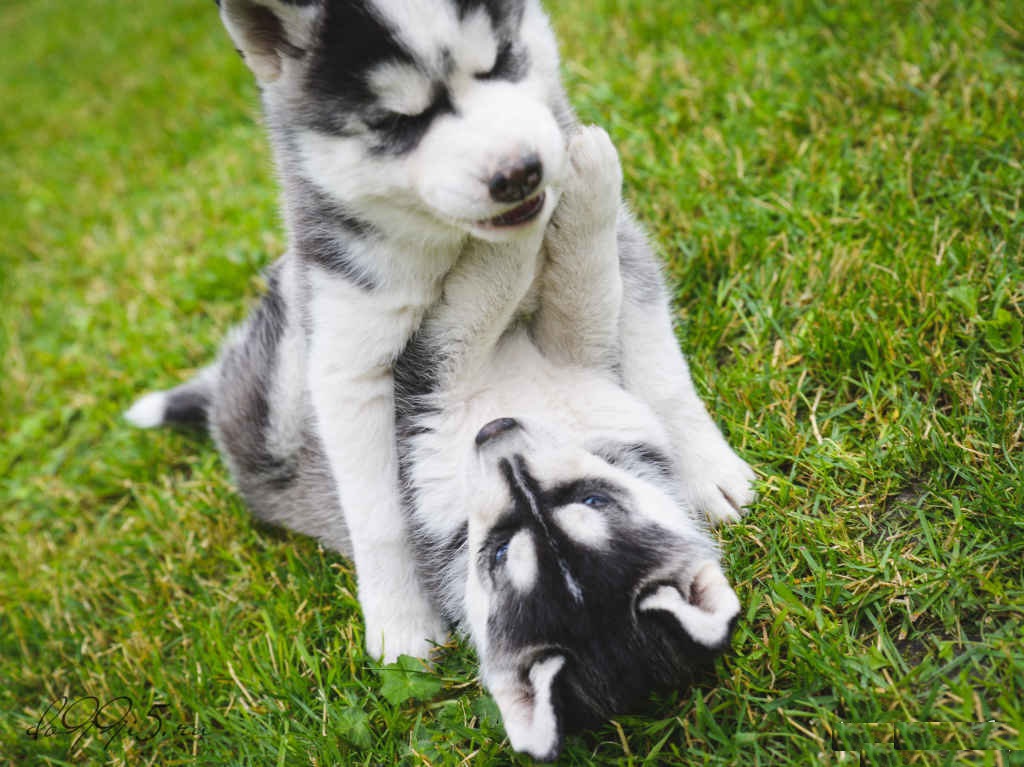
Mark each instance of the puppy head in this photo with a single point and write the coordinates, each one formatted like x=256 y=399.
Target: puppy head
x=588 y=585
x=431 y=116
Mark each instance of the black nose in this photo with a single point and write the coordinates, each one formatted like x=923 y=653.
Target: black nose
x=515 y=183
x=494 y=429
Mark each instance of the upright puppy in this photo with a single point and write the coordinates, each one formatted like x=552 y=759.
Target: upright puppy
x=404 y=132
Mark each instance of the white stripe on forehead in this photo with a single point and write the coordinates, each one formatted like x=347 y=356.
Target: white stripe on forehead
x=525 y=490
x=431 y=28
x=426 y=27
x=476 y=49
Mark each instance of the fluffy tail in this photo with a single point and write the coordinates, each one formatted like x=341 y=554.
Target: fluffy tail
x=185 y=405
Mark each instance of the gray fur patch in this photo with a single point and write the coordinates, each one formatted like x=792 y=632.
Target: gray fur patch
x=324 y=233
x=294 y=489
x=642 y=280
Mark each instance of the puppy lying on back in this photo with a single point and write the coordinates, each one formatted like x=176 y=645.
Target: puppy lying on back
x=548 y=517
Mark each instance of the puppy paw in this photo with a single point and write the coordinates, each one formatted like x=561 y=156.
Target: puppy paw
x=592 y=189
x=403 y=631
x=718 y=483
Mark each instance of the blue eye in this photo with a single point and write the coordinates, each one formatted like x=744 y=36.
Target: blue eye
x=500 y=553
x=596 y=501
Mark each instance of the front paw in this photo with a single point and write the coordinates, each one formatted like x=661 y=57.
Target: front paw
x=402 y=629
x=718 y=482
x=592 y=188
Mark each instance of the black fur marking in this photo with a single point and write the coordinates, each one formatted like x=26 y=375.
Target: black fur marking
x=635 y=455
x=400 y=133
x=497 y=537
x=652 y=456
x=577 y=490
x=248 y=446
x=439 y=561
x=323 y=230
x=319 y=208
x=615 y=656
x=327 y=251
x=417 y=373
x=352 y=42
x=512 y=63
x=642 y=281
x=506 y=15
x=443 y=553
x=187 y=406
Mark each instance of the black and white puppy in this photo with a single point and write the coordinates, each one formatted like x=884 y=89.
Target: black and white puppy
x=406 y=133
x=547 y=514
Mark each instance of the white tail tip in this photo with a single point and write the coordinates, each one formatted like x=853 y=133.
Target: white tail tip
x=148 y=411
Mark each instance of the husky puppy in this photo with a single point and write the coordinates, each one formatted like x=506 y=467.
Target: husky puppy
x=546 y=511
x=406 y=132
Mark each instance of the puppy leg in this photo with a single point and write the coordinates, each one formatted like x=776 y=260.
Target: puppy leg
x=603 y=300
x=581 y=287
x=354 y=338
x=479 y=302
x=715 y=479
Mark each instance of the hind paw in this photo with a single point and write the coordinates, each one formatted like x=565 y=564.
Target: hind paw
x=718 y=483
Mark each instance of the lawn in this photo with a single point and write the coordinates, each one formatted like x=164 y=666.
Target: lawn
x=836 y=189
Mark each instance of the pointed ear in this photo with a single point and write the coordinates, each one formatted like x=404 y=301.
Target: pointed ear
x=708 y=614
x=264 y=31
x=524 y=699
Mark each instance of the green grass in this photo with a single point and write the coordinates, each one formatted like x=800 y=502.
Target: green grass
x=836 y=189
